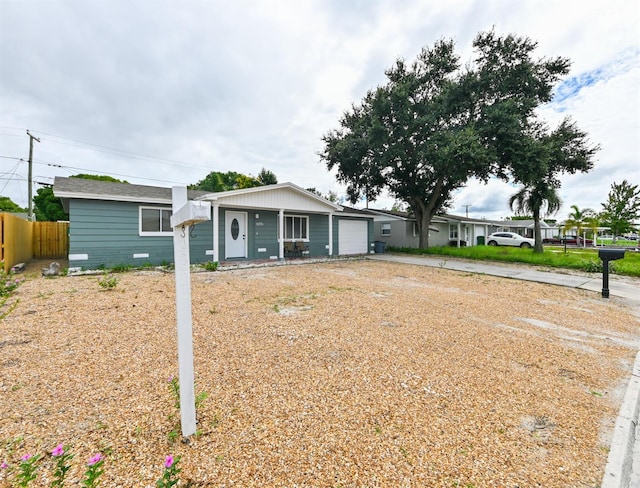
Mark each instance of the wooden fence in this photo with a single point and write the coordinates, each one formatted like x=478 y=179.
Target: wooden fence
x=50 y=240
x=23 y=240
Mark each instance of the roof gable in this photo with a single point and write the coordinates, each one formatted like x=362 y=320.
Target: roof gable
x=274 y=197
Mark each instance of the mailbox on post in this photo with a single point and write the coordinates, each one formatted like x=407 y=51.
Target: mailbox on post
x=608 y=255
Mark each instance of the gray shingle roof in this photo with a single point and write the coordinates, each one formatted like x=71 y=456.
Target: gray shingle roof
x=106 y=190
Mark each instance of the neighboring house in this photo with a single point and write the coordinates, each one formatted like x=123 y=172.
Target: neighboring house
x=117 y=223
x=399 y=229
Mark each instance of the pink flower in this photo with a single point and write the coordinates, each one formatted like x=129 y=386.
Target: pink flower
x=95 y=459
x=168 y=462
x=58 y=451
x=26 y=457
x=4 y=465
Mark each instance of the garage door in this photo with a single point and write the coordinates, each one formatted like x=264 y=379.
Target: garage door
x=353 y=237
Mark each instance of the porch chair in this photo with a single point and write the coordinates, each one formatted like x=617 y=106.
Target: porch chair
x=290 y=250
x=302 y=248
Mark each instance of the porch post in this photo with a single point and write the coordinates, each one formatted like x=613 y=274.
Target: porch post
x=281 y=234
x=330 y=234
x=216 y=233
x=459 y=230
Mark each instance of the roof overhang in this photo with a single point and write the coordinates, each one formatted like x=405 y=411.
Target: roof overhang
x=273 y=197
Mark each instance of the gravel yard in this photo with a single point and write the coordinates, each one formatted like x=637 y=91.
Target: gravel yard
x=336 y=374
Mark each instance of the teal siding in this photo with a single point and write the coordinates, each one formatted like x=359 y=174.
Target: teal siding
x=318 y=235
x=263 y=232
x=107 y=232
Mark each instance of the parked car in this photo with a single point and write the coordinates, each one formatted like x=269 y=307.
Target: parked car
x=509 y=239
x=570 y=240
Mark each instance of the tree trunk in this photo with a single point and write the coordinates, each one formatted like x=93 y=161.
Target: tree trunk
x=537 y=233
x=424 y=212
x=423 y=219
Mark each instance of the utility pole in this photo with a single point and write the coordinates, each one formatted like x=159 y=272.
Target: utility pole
x=30 y=177
x=466 y=208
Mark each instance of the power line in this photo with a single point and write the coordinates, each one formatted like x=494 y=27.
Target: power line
x=76 y=168
x=13 y=174
x=119 y=152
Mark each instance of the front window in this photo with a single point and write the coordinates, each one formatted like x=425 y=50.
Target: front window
x=155 y=221
x=453 y=231
x=385 y=229
x=296 y=228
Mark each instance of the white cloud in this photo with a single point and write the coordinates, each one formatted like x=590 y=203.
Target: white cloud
x=251 y=84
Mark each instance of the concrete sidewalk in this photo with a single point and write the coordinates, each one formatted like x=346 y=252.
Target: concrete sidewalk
x=623 y=287
x=623 y=465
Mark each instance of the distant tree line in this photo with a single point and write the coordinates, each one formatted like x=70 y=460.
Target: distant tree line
x=619 y=213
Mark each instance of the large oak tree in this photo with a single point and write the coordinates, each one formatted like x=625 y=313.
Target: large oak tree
x=435 y=125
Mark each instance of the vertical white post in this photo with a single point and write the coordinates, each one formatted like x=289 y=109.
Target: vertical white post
x=183 y=314
x=281 y=234
x=216 y=232
x=330 y=234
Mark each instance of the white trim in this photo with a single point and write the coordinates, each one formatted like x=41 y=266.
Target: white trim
x=161 y=233
x=112 y=198
x=78 y=257
x=329 y=246
x=281 y=233
x=216 y=231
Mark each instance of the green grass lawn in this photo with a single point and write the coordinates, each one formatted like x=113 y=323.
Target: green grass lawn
x=553 y=256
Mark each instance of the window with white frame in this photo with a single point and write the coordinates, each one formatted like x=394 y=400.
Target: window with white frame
x=385 y=229
x=155 y=221
x=453 y=231
x=296 y=228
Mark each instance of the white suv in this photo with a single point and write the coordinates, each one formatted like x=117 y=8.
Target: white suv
x=509 y=239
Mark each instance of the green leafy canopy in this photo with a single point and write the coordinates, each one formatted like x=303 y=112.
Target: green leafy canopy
x=434 y=125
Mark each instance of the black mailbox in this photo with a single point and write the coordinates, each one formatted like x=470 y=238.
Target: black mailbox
x=608 y=255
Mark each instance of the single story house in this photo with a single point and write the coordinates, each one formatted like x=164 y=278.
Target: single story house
x=112 y=224
x=399 y=229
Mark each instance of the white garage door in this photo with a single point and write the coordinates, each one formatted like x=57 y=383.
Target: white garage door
x=352 y=237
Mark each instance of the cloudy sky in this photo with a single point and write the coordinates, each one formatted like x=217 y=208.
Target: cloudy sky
x=164 y=92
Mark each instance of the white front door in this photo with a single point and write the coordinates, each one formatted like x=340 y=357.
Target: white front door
x=235 y=241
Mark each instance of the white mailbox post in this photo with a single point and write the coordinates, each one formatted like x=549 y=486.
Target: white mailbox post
x=185 y=214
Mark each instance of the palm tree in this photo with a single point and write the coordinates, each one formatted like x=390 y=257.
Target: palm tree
x=537 y=199
x=579 y=219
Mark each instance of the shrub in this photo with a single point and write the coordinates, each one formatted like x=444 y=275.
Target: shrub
x=108 y=282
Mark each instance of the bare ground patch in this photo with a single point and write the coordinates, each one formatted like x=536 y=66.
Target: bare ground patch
x=334 y=374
